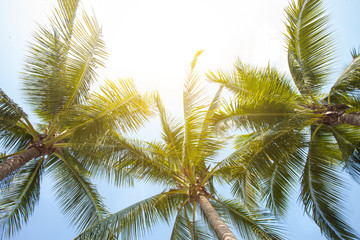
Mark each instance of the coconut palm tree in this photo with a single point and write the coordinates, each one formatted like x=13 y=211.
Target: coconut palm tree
x=296 y=129
x=59 y=71
x=184 y=162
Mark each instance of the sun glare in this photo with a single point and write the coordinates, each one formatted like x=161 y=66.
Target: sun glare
x=153 y=42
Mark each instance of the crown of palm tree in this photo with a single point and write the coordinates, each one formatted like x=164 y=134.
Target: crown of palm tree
x=297 y=130
x=184 y=162
x=59 y=72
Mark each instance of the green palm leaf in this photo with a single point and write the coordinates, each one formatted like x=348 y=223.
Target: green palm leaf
x=117 y=106
x=46 y=64
x=278 y=187
x=321 y=188
x=19 y=198
x=310 y=46
x=350 y=99
x=102 y=157
x=58 y=74
x=62 y=61
x=78 y=198
x=263 y=97
x=10 y=112
x=148 y=162
x=172 y=130
x=249 y=225
x=64 y=18
x=348 y=82
x=255 y=159
x=15 y=129
x=15 y=139
x=231 y=80
x=247 y=79
x=132 y=221
x=87 y=52
x=208 y=144
x=347 y=138
x=194 y=106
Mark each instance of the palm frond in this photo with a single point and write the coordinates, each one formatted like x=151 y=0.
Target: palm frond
x=249 y=225
x=247 y=188
x=121 y=160
x=322 y=189
x=348 y=82
x=10 y=112
x=87 y=52
x=351 y=99
x=18 y=199
x=78 y=198
x=64 y=18
x=102 y=157
x=348 y=140
x=249 y=114
x=256 y=158
x=172 y=130
x=132 y=222
x=15 y=129
x=309 y=44
x=355 y=52
x=150 y=162
x=118 y=105
x=193 y=93
x=208 y=143
x=45 y=78
x=248 y=79
x=194 y=106
x=278 y=187
x=263 y=97
x=207 y=125
x=15 y=139
x=231 y=80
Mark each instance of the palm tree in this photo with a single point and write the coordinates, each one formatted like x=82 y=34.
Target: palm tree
x=295 y=128
x=59 y=71
x=184 y=163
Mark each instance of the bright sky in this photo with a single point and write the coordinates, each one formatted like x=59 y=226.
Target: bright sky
x=153 y=42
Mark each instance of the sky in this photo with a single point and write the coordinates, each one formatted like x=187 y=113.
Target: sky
x=153 y=42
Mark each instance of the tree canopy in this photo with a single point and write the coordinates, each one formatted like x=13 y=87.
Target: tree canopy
x=59 y=72
x=299 y=132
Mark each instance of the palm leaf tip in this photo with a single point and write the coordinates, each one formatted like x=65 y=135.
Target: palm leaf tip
x=194 y=61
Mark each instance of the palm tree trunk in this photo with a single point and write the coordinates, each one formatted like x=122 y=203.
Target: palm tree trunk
x=221 y=229
x=16 y=162
x=350 y=118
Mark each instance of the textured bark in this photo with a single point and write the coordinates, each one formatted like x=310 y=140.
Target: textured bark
x=350 y=118
x=16 y=162
x=221 y=229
